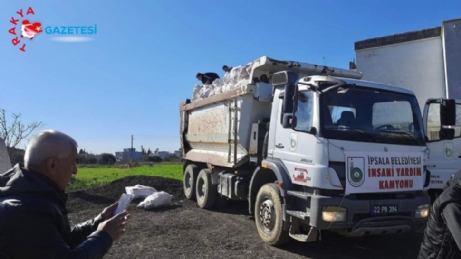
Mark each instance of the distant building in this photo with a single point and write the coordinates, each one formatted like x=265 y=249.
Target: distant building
x=128 y=153
x=163 y=154
x=178 y=153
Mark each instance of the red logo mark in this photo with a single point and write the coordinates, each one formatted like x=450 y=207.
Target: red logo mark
x=301 y=177
x=28 y=29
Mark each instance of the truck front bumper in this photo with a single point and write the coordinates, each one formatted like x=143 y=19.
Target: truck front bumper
x=357 y=218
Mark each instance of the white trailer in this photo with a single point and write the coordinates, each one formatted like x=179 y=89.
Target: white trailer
x=426 y=62
x=309 y=152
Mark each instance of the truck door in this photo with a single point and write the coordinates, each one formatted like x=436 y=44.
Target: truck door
x=296 y=147
x=445 y=153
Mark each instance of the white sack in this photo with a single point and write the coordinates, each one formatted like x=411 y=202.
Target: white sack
x=140 y=191
x=205 y=91
x=196 y=93
x=156 y=200
x=217 y=87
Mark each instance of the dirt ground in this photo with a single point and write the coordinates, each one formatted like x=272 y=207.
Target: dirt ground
x=183 y=230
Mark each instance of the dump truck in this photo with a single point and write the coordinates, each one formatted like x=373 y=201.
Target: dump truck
x=310 y=152
x=427 y=62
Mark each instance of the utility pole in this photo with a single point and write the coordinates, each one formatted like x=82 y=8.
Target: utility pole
x=131 y=150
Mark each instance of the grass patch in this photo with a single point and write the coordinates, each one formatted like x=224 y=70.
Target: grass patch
x=96 y=176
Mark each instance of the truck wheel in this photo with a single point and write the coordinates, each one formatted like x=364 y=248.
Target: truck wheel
x=268 y=216
x=206 y=193
x=189 y=180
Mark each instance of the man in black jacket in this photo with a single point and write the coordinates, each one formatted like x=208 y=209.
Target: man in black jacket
x=207 y=78
x=33 y=215
x=442 y=236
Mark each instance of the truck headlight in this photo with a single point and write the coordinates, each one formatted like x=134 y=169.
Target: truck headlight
x=334 y=214
x=422 y=211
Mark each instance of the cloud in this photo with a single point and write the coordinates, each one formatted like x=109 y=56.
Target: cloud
x=72 y=39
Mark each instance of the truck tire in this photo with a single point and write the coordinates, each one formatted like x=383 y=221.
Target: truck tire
x=269 y=215
x=189 y=180
x=206 y=193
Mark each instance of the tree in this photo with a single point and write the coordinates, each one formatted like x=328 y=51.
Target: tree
x=91 y=159
x=107 y=159
x=86 y=159
x=15 y=132
x=149 y=151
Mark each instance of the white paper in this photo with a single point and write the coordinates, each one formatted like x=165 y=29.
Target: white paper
x=123 y=203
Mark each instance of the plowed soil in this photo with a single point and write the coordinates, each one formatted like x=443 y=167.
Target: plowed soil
x=183 y=230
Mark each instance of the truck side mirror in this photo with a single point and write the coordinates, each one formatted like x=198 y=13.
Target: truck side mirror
x=447 y=118
x=448 y=112
x=447 y=133
x=289 y=120
x=288 y=80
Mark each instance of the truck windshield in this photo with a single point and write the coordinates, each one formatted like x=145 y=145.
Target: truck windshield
x=371 y=115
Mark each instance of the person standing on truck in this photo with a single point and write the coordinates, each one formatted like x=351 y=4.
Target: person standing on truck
x=226 y=69
x=33 y=214
x=207 y=78
x=442 y=236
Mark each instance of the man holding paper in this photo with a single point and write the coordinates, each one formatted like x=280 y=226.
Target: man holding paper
x=33 y=215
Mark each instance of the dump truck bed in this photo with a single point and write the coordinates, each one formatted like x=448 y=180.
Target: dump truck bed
x=217 y=130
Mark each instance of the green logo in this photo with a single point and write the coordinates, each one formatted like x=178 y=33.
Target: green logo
x=448 y=152
x=356 y=177
x=293 y=143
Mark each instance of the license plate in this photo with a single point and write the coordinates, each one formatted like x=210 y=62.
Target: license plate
x=384 y=209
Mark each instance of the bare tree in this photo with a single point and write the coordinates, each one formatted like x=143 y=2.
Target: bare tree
x=14 y=133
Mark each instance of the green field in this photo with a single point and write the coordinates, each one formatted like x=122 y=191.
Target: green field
x=95 y=176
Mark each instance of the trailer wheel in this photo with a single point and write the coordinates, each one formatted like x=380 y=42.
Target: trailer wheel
x=189 y=180
x=268 y=216
x=206 y=193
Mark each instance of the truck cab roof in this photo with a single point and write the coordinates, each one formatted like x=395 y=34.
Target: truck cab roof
x=360 y=82
x=376 y=85
x=266 y=65
x=270 y=65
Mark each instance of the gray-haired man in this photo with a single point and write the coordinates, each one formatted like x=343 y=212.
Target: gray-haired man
x=33 y=215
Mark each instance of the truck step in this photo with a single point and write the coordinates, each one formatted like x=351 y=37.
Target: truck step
x=302 y=195
x=311 y=237
x=299 y=214
x=299 y=237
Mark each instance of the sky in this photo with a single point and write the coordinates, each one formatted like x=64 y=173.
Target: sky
x=130 y=78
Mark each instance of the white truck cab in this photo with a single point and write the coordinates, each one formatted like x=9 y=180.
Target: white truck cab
x=363 y=139
x=316 y=149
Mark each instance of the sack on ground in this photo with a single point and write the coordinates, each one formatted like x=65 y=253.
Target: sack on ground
x=140 y=191
x=156 y=200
